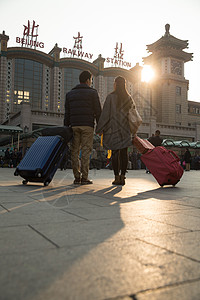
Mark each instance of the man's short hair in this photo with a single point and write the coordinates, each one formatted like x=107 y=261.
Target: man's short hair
x=157 y=132
x=84 y=76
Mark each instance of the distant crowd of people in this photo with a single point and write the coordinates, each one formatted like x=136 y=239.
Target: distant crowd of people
x=189 y=162
x=11 y=158
x=100 y=159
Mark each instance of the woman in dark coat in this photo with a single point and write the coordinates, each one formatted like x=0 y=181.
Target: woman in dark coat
x=114 y=124
x=187 y=159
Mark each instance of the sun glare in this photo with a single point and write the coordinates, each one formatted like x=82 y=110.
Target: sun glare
x=147 y=73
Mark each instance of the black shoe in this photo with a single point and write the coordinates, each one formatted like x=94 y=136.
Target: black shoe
x=77 y=181
x=86 y=181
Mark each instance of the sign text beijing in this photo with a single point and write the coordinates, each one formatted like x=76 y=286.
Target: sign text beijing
x=30 y=35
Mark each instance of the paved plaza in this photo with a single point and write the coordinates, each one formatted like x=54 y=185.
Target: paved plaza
x=66 y=242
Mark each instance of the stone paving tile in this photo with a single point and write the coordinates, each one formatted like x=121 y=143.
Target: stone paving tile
x=121 y=298
x=107 y=198
x=53 y=192
x=188 y=201
x=118 y=211
x=22 y=237
x=42 y=206
x=191 y=212
x=151 y=206
x=184 y=243
x=80 y=233
x=179 y=219
x=185 y=291
x=87 y=232
x=2 y=209
x=99 y=241
x=18 y=216
x=16 y=199
x=97 y=271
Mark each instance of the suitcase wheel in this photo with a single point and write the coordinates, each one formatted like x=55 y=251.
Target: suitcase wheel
x=25 y=181
x=16 y=173
x=46 y=183
x=38 y=173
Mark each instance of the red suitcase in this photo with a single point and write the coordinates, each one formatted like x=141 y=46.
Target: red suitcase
x=164 y=165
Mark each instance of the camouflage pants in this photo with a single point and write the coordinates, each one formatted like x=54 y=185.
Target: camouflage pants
x=82 y=140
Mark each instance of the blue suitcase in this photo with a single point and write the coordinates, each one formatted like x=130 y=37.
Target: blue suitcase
x=42 y=159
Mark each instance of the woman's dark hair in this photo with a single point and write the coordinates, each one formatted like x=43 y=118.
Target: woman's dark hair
x=123 y=98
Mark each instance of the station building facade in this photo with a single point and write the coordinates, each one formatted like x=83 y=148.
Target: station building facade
x=33 y=85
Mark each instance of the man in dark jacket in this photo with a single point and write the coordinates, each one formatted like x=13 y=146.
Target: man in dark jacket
x=156 y=140
x=82 y=107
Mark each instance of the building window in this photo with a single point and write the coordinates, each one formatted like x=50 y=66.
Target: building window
x=71 y=78
x=178 y=108
x=178 y=90
x=28 y=83
x=166 y=65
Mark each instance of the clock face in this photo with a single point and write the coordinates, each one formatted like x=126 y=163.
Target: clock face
x=176 y=67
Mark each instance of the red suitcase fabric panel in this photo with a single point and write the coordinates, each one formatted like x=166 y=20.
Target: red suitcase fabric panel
x=142 y=145
x=164 y=165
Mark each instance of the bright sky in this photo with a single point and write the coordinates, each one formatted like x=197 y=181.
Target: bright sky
x=133 y=23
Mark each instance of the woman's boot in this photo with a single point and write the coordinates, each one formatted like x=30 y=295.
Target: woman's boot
x=117 y=180
x=122 y=179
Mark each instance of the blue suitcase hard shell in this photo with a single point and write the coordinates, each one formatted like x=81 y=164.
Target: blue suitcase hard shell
x=42 y=159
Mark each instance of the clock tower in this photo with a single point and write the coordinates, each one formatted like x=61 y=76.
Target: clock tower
x=169 y=88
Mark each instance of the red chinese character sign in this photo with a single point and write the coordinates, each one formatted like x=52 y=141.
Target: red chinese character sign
x=119 y=53
x=28 y=29
x=78 y=41
x=30 y=35
x=77 y=49
x=118 y=59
